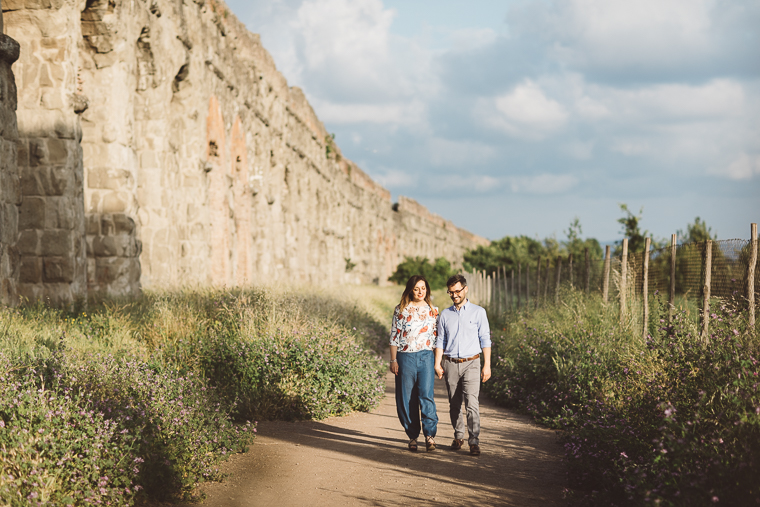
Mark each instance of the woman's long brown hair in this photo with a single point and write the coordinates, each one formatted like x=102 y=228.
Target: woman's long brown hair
x=407 y=297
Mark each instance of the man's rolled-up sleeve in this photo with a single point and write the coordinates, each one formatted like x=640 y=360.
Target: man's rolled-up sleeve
x=484 y=330
x=440 y=341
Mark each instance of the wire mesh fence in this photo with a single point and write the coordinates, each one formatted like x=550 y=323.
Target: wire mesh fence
x=694 y=276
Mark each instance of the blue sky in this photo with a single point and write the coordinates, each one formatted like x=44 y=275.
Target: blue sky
x=514 y=117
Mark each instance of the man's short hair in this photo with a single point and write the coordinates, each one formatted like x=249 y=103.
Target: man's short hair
x=455 y=280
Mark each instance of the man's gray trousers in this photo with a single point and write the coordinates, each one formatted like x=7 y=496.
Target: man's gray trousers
x=463 y=384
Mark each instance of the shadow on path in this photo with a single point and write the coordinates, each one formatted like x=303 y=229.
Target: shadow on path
x=361 y=459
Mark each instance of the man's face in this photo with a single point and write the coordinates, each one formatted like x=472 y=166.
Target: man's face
x=457 y=293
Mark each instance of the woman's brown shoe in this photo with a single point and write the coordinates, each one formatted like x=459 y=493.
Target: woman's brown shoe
x=457 y=444
x=429 y=444
x=413 y=444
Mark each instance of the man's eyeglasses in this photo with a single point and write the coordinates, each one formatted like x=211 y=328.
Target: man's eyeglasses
x=455 y=292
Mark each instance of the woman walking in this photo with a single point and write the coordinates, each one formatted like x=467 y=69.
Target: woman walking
x=413 y=333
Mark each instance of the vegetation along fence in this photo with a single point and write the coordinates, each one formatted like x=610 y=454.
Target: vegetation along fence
x=692 y=277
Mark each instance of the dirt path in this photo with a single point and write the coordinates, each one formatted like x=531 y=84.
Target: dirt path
x=362 y=459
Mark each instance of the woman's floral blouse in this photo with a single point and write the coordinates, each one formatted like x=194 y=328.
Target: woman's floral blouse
x=414 y=329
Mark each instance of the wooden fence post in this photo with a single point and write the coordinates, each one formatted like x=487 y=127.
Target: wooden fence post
x=570 y=267
x=489 y=289
x=546 y=283
x=606 y=279
x=751 y=275
x=519 y=285
x=538 y=281
x=706 y=290
x=527 y=286
x=587 y=273
x=505 y=286
x=645 y=288
x=483 y=287
x=557 y=270
x=512 y=292
x=672 y=295
x=623 y=275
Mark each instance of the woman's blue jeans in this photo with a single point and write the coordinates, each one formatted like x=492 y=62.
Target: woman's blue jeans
x=414 y=393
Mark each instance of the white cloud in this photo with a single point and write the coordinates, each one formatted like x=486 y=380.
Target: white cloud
x=464 y=154
x=645 y=38
x=526 y=112
x=592 y=89
x=744 y=167
x=393 y=113
x=543 y=184
x=393 y=178
x=464 y=183
x=716 y=99
x=590 y=109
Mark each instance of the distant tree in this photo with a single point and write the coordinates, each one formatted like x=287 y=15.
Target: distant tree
x=697 y=232
x=631 y=230
x=577 y=246
x=510 y=251
x=507 y=251
x=436 y=273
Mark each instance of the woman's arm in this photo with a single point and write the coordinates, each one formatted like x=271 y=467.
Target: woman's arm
x=396 y=328
x=394 y=361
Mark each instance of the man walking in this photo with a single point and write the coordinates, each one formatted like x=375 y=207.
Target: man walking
x=463 y=333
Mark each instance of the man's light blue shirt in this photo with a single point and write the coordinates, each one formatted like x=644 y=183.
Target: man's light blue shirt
x=463 y=333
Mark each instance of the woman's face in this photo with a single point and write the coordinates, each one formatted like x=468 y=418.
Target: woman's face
x=419 y=292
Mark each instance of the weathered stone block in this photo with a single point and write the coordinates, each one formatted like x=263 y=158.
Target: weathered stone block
x=56 y=180
x=57 y=242
x=123 y=224
x=29 y=181
x=58 y=152
x=28 y=242
x=107 y=226
x=13 y=5
x=110 y=269
x=58 y=270
x=92 y=224
x=61 y=214
x=114 y=202
x=104 y=246
x=31 y=213
x=37 y=152
x=31 y=270
x=108 y=178
x=22 y=153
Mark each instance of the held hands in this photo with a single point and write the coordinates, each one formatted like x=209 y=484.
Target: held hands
x=394 y=367
x=438 y=371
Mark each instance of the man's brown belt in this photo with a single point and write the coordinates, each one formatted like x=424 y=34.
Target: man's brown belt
x=463 y=360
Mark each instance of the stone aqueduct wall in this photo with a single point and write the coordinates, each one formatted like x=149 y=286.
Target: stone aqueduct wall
x=10 y=191
x=159 y=146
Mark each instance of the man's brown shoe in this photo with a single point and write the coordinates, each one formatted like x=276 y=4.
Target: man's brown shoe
x=457 y=444
x=429 y=444
x=475 y=450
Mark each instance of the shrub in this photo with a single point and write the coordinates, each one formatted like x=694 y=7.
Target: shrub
x=436 y=274
x=55 y=449
x=138 y=399
x=670 y=420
